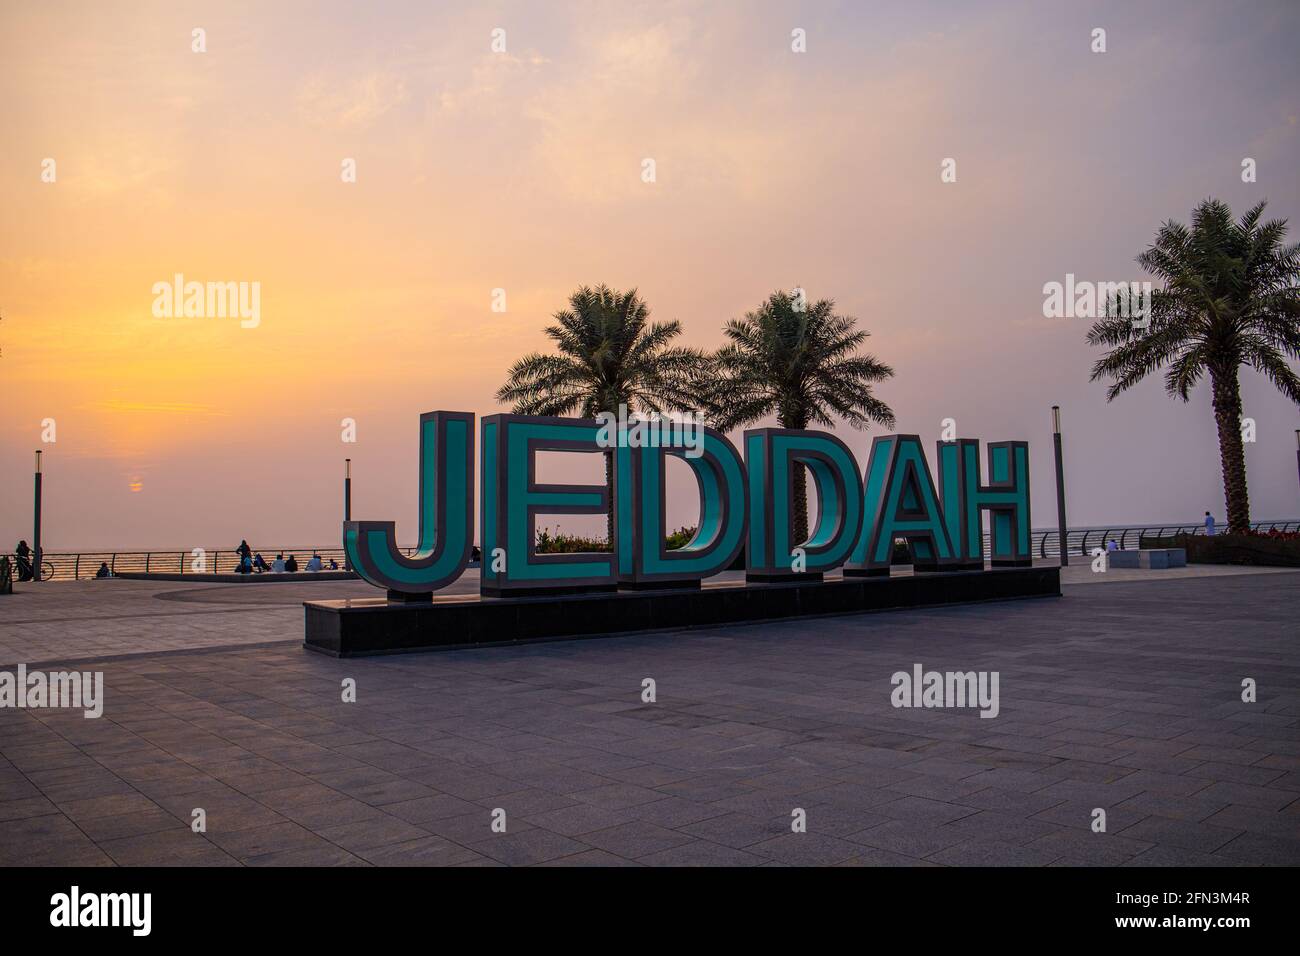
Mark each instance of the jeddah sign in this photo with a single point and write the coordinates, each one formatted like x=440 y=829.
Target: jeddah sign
x=745 y=504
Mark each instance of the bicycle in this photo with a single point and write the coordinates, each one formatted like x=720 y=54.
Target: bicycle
x=46 y=570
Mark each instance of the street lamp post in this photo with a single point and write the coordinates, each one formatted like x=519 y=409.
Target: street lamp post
x=347 y=503
x=36 y=522
x=1060 y=486
x=1297 y=450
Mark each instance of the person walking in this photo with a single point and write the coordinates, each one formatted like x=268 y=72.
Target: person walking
x=1209 y=524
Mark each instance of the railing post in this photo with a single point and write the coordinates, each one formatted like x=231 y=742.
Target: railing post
x=1062 y=530
x=37 y=552
x=147 y=556
x=347 y=503
x=76 y=568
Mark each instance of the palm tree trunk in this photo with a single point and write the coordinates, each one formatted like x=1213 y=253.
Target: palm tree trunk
x=799 y=494
x=609 y=490
x=1227 y=415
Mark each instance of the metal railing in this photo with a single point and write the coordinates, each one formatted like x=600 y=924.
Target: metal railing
x=76 y=566
x=73 y=566
x=1047 y=544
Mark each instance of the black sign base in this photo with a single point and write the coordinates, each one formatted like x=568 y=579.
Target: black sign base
x=375 y=626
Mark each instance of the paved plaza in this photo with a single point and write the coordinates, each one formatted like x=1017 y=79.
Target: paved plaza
x=1123 y=695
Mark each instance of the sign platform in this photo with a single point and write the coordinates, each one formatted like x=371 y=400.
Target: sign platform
x=352 y=628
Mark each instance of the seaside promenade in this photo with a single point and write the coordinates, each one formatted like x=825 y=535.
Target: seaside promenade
x=1123 y=695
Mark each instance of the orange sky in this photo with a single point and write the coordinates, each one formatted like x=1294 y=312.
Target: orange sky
x=522 y=170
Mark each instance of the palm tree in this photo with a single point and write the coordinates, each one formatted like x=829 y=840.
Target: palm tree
x=609 y=354
x=799 y=362
x=1231 y=298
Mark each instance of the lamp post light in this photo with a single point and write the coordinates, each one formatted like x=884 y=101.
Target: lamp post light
x=36 y=521
x=347 y=503
x=1060 y=486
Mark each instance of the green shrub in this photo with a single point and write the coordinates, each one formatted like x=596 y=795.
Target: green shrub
x=1259 y=550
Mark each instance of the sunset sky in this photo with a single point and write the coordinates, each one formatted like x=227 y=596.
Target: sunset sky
x=522 y=170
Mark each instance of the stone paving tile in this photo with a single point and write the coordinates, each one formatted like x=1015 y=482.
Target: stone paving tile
x=999 y=827
x=806 y=849
x=1020 y=802
x=737 y=830
x=1177 y=856
x=1085 y=848
x=1264 y=798
x=321 y=854
x=635 y=839
x=617 y=796
x=1187 y=834
x=923 y=811
x=173 y=848
x=136 y=823
x=907 y=838
x=1271 y=850
x=371 y=834
x=751 y=722
x=581 y=818
x=472 y=827
x=1196 y=808
x=702 y=853
x=427 y=850
x=1255 y=820
x=439 y=806
x=590 y=858
x=530 y=846
x=993 y=854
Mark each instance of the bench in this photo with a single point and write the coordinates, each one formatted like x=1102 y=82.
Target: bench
x=1154 y=558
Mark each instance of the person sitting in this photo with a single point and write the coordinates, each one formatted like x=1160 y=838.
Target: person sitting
x=278 y=564
x=1111 y=545
x=259 y=563
x=314 y=564
x=334 y=565
x=245 y=565
x=292 y=564
x=103 y=571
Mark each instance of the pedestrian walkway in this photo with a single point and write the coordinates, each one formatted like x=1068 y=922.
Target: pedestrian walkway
x=1124 y=697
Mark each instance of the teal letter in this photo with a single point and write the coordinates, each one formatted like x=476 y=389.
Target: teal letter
x=1005 y=497
x=446 y=516
x=641 y=524
x=900 y=502
x=511 y=499
x=771 y=455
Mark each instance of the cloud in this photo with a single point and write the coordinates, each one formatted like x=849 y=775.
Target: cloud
x=354 y=104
